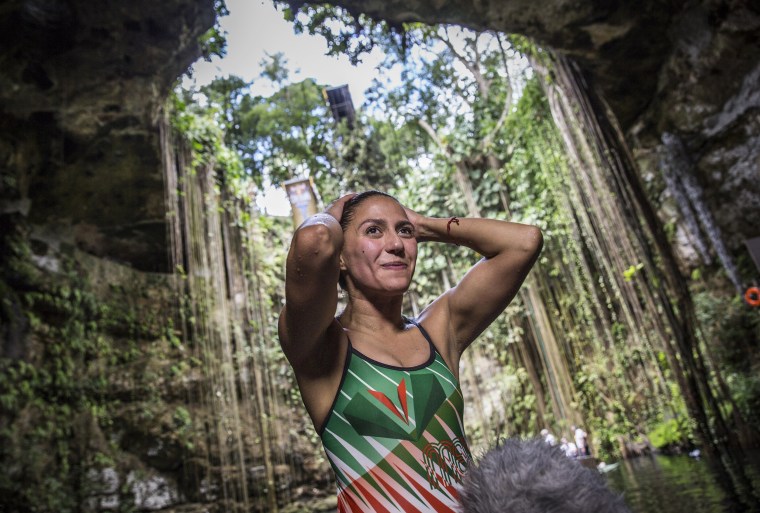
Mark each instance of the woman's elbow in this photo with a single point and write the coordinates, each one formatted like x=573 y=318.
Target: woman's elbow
x=534 y=240
x=316 y=242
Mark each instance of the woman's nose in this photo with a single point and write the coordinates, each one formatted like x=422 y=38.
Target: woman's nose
x=394 y=243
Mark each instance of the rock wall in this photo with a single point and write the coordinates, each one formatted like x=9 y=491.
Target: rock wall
x=80 y=88
x=94 y=402
x=708 y=102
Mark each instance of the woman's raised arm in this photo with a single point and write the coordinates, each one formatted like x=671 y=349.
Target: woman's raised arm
x=311 y=278
x=509 y=251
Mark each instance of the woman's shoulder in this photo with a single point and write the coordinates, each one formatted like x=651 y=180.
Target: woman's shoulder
x=435 y=321
x=436 y=314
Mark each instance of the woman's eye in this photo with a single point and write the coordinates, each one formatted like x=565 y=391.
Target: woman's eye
x=372 y=230
x=406 y=231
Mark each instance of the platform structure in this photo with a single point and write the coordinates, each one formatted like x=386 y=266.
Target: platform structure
x=303 y=198
x=341 y=104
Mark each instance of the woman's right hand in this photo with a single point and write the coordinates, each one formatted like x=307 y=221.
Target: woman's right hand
x=335 y=208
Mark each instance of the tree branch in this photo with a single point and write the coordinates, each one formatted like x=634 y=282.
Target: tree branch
x=434 y=136
x=486 y=142
x=480 y=80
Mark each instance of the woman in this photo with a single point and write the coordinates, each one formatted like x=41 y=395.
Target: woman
x=383 y=390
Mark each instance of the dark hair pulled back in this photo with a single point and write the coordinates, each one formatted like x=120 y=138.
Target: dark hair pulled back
x=350 y=206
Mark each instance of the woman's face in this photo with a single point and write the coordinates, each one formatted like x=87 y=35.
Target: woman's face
x=379 y=247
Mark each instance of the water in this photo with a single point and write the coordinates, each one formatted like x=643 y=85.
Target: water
x=677 y=484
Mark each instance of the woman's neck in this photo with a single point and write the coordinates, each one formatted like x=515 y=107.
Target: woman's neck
x=362 y=314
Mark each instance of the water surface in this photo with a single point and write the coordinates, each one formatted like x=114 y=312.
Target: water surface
x=676 y=484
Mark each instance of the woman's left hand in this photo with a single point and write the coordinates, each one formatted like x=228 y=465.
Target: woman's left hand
x=416 y=220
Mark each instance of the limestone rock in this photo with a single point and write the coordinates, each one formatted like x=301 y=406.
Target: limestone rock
x=81 y=88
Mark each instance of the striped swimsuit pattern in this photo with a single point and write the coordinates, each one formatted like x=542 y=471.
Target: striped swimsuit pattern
x=395 y=436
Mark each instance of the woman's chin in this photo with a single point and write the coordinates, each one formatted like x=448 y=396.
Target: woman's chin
x=398 y=291
x=390 y=289
x=396 y=286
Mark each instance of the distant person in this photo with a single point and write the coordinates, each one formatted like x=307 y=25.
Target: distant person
x=581 y=441
x=383 y=389
x=569 y=448
x=530 y=476
x=548 y=437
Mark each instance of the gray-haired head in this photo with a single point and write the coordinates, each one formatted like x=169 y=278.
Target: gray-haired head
x=530 y=476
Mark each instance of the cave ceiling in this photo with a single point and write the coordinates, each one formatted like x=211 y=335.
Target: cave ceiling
x=81 y=90
x=614 y=41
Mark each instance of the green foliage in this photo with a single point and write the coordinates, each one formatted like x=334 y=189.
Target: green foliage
x=285 y=135
x=44 y=399
x=288 y=134
x=213 y=42
x=520 y=417
x=201 y=130
x=346 y=33
x=183 y=424
x=533 y=172
x=732 y=330
x=669 y=434
x=631 y=271
x=275 y=69
x=62 y=392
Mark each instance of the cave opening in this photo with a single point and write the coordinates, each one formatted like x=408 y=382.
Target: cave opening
x=143 y=273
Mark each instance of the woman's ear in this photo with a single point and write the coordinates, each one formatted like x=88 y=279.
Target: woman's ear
x=342 y=263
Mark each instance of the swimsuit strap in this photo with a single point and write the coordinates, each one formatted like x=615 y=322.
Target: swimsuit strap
x=422 y=330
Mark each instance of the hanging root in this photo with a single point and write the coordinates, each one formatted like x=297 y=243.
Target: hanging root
x=530 y=476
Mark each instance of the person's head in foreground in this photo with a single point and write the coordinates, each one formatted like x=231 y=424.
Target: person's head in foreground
x=530 y=476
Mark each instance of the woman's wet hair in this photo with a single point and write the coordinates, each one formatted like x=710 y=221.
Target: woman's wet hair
x=348 y=215
x=350 y=207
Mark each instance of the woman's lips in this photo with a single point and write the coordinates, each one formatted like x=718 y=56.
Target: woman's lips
x=395 y=266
